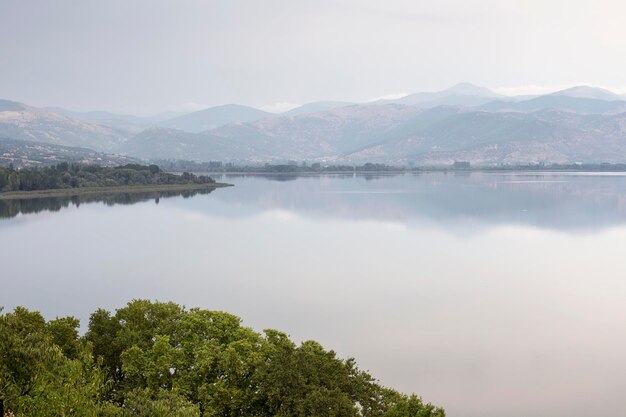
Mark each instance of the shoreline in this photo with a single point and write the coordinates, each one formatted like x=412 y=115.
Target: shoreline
x=422 y=171
x=69 y=192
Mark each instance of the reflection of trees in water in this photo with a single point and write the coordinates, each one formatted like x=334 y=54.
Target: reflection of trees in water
x=281 y=177
x=564 y=201
x=11 y=208
x=284 y=177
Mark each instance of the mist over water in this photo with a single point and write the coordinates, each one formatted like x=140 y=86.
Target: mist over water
x=488 y=294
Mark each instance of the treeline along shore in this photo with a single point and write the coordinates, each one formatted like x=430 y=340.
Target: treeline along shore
x=304 y=168
x=159 y=359
x=75 y=179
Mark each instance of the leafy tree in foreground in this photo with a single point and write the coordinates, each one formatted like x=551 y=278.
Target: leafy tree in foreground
x=158 y=359
x=38 y=379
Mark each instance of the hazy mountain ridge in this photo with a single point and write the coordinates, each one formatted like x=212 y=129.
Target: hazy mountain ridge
x=20 y=153
x=584 y=91
x=567 y=126
x=462 y=94
x=582 y=105
x=316 y=107
x=214 y=117
x=97 y=115
x=8 y=105
x=492 y=138
x=404 y=134
x=39 y=125
x=311 y=136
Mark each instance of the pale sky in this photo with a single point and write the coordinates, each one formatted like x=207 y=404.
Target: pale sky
x=148 y=56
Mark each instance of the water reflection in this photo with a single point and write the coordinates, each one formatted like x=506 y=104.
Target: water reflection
x=521 y=317
x=12 y=208
x=562 y=201
x=558 y=201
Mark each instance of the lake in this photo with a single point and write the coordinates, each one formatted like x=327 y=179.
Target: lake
x=489 y=294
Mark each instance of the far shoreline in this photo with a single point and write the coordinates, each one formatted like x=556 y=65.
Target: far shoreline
x=403 y=172
x=78 y=191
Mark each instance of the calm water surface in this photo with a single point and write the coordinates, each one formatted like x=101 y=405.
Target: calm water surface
x=488 y=294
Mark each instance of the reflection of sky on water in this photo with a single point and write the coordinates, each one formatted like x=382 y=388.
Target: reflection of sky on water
x=561 y=201
x=564 y=201
x=519 y=316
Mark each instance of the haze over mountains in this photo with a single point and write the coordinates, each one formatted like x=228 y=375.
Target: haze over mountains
x=23 y=122
x=463 y=94
x=214 y=117
x=464 y=122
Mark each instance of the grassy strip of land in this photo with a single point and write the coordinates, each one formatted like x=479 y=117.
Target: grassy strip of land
x=66 y=192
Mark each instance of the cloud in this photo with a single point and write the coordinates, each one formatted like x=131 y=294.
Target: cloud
x=279 y=107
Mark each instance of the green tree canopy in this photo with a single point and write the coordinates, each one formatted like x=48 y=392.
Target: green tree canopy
x=65 y=175
x=160 y=359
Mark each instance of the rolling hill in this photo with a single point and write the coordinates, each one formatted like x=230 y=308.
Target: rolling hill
x=585 y=91
x=214 y=117
x=23 y=122
x=20 y=153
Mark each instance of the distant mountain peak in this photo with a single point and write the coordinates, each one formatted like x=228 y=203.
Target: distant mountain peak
x=214 y=117
x=469 y=89
x=586 y=91
x=462 y=94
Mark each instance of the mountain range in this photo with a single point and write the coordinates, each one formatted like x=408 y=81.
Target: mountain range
x=21 y=153
x=214 y=117
x=465 y=122
x=23 y=122
x=463 y=94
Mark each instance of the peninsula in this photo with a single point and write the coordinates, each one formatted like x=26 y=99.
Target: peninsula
x=67 y=179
